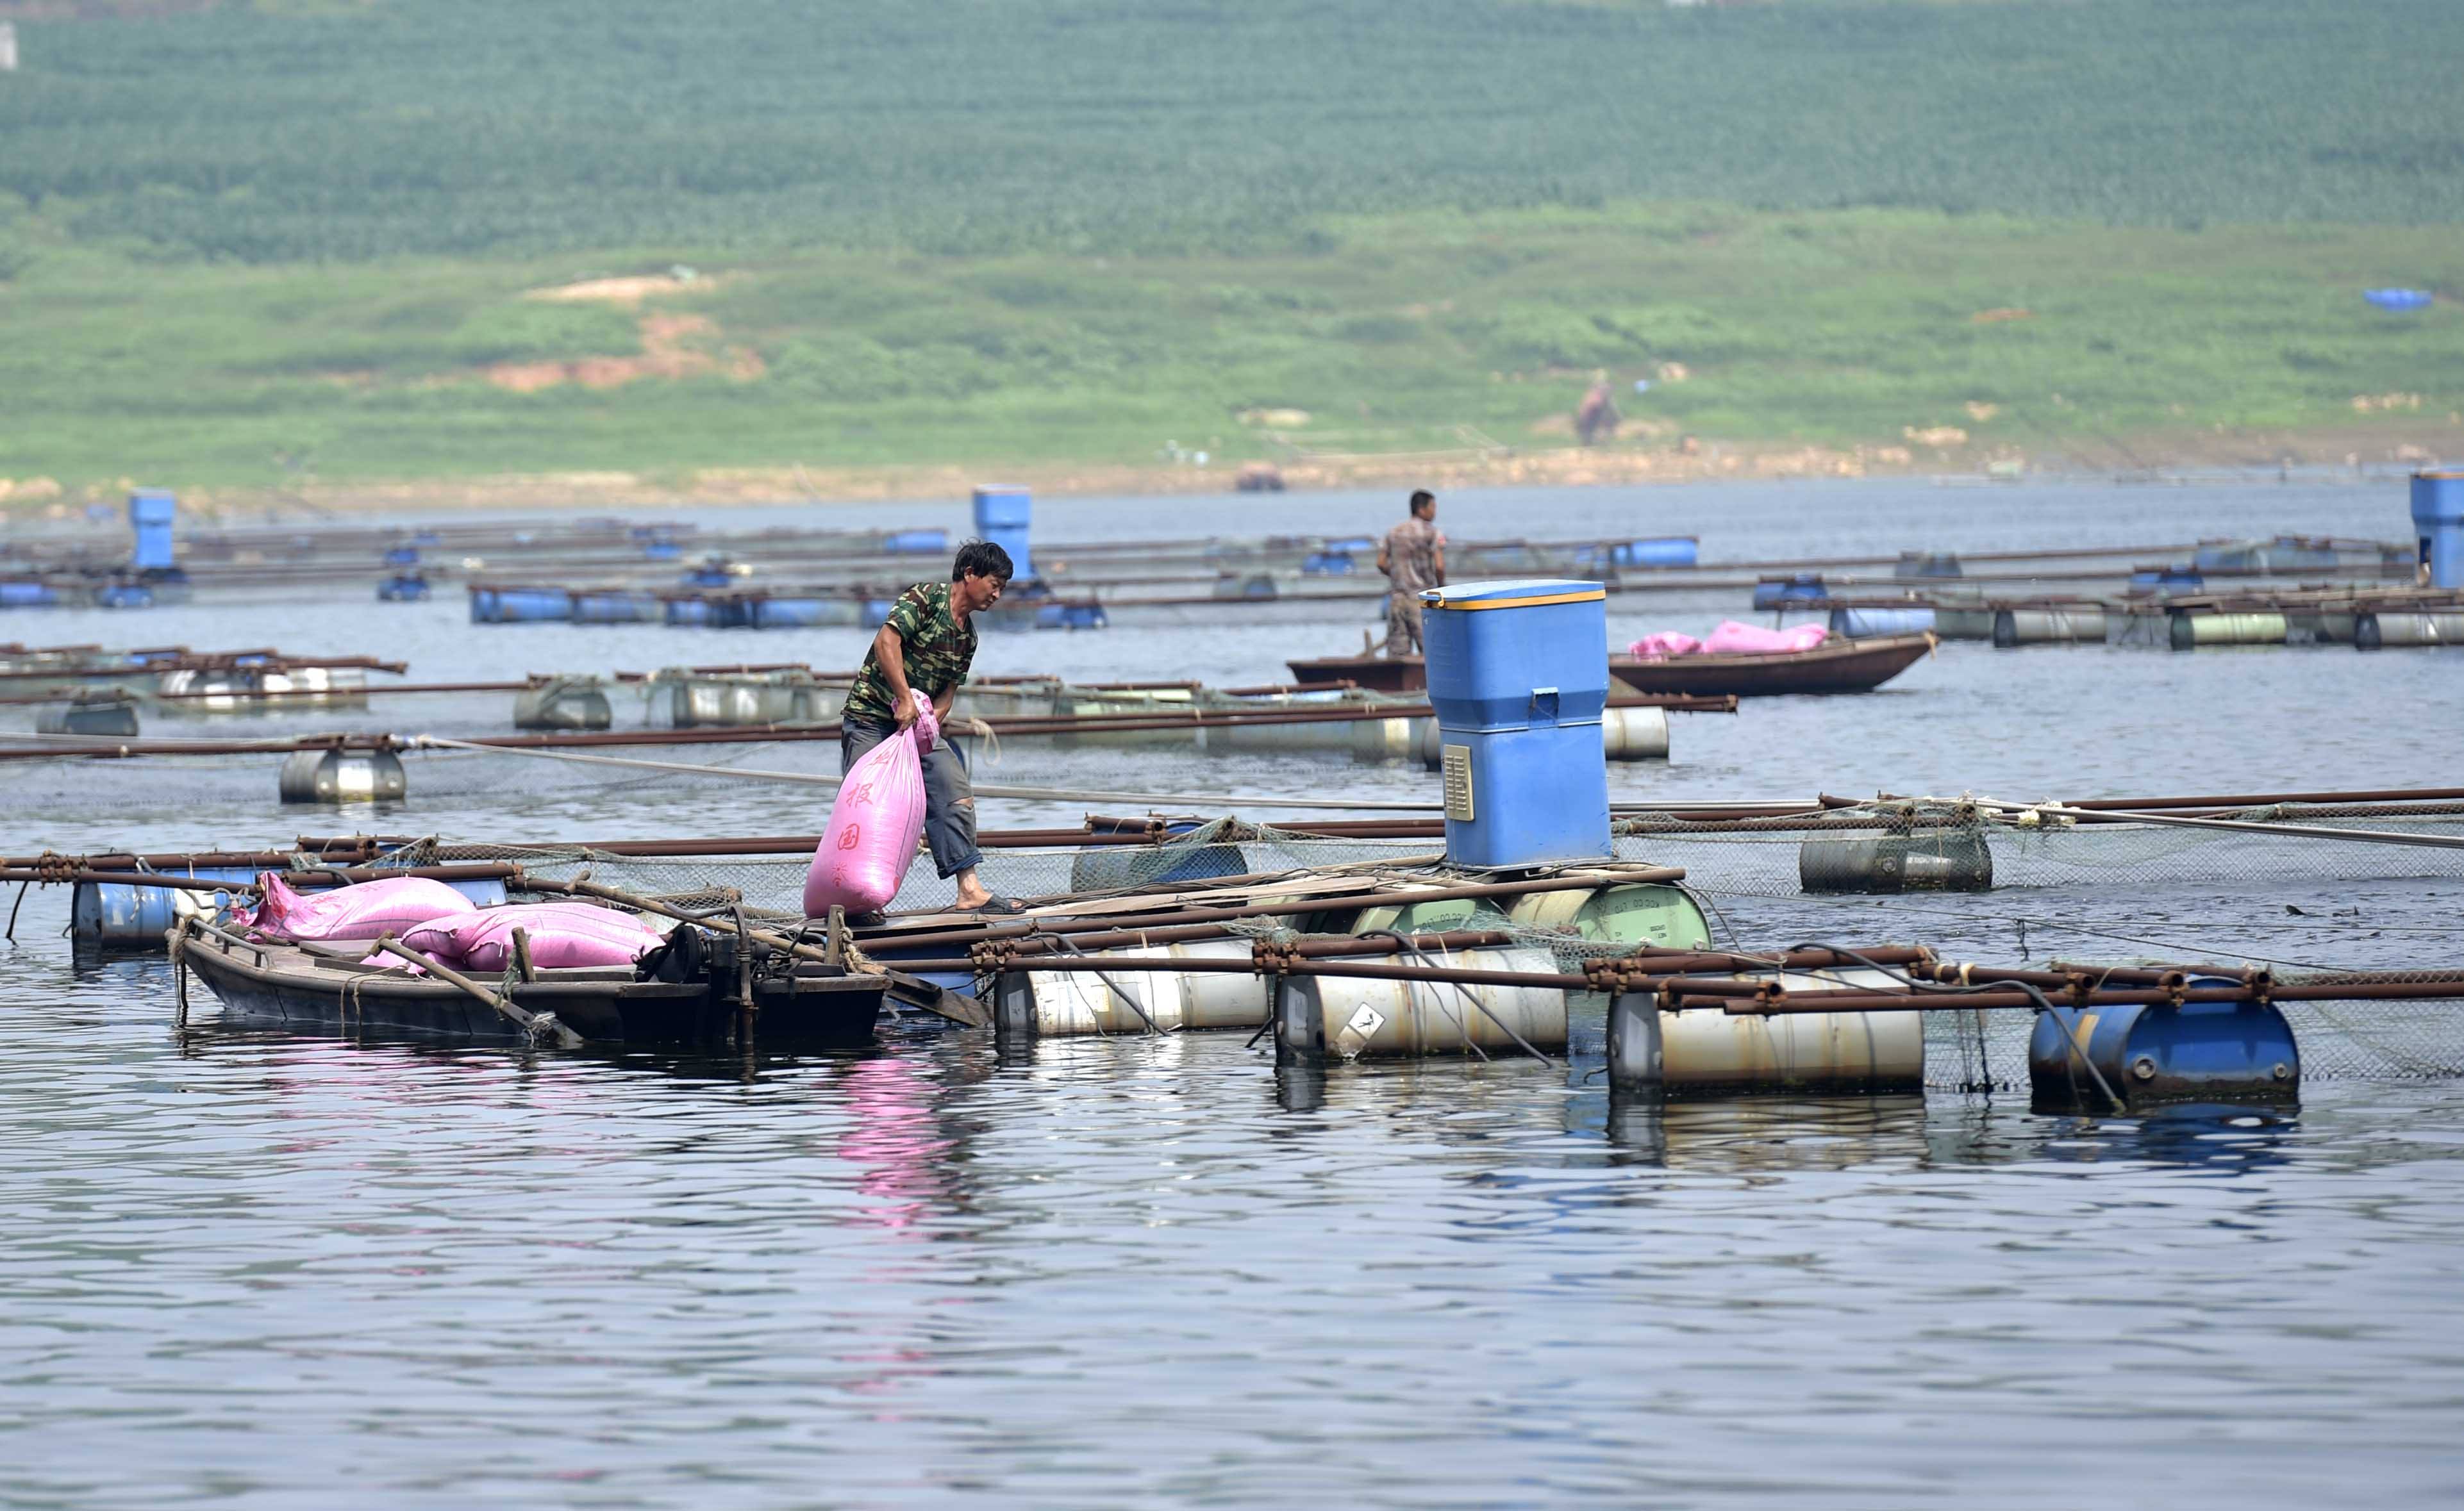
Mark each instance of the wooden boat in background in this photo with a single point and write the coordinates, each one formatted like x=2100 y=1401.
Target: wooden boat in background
x=1836 y=665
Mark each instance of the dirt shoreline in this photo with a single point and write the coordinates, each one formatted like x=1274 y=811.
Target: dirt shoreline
x=2261 y=453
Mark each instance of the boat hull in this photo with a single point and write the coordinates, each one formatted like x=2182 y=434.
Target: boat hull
x=1848 y=666
x=284 y=988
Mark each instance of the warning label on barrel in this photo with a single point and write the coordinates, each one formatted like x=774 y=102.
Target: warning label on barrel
x=1456 y=760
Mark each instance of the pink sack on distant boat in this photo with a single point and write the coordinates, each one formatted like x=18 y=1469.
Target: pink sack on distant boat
x=1733 y=639
x=1660 y=645
x=349 y=912
x=563 y=936
x=875 y=823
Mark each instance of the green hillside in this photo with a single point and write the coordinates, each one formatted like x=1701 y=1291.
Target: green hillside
x=1076 y=229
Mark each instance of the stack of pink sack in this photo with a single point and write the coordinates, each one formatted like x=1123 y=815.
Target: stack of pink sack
x=563 y=936
x=1731 y=639
x=348 y=912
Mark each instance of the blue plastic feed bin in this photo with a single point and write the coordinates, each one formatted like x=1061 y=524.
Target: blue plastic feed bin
x=2438 y=524
x=151 y=512
x=1002 y=516
x=1518 y=673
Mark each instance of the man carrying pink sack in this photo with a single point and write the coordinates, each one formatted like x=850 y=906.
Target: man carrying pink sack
x=927 y=645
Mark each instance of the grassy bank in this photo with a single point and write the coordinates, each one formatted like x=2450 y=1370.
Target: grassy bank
x=1982 y=336
x=246 y=244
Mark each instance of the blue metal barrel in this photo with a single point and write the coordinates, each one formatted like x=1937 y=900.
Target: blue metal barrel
x=123 y=595
x=2085 y=1060
x=113 y=915
x=876 y=612
x=1779 y=592
x=2438 y=525
x=402 y=555
x=29 y=595
x=921 y=544
x=614 y=606
x=1518 y=674
x=661 y=551
x=1662 y=551
x=1326 y=564
x=402 y=588
x=802 y=612
x=1003 y=517
x=1856 y=623
x=521 y=605
x=682 y=612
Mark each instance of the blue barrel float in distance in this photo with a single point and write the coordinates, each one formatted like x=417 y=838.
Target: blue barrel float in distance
x=1779 y=592
x=2400 y=301
x=29 y=595
x=151 y=513
x=1003 y=515
x=402 y=555
x=1664 y=550
x=2438 y=525
x=1518 y=675
x=1856 y=623
x=921 y=544
x=403 y=587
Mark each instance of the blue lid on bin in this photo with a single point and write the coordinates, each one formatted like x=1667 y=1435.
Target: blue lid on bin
x=1522 y=593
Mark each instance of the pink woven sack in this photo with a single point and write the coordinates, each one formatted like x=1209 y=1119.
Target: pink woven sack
x=876 y=822
x=1734 y=639
x=563 y=936
x=1662 y=643
x=349 y=912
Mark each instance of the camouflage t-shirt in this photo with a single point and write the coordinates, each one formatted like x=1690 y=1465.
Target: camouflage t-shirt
x=936 y=648
x=1412 y=557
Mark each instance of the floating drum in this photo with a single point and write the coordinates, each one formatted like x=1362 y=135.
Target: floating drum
x=1073 y=1003
x=2085 y=1061
x=614 y=606
x=1857 y=624
x=342 y=776
x=1322 y=1017
x=1949 y=861
x=2375 y=631
x=2190 y=631
x=731 y=703
x=1257 y=587
x=29 y=595
x=1962 y=622
x=2047 y=626
x=1621 y=913
x=1779 y=592
x=88 y=716
x=916 y=542
x=1666 y=551
x=804 y=613
x=114 y=916
x=1712 y=1052
x=567 y=703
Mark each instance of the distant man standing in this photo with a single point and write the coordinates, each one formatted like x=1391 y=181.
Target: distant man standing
x=1413 y=556
x=927 y=645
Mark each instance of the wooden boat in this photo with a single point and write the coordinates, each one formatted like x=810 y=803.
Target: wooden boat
x=1376 y=674
x=1836 y=665
x=323 y=988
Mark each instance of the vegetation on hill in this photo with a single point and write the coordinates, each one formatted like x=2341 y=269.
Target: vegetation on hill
x=245 y=241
